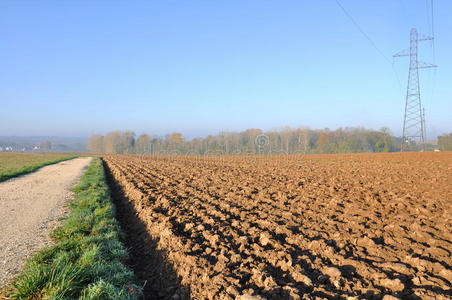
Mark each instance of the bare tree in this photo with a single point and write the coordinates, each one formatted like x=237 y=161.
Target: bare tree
x=176 y=140
x=302 y=134
x=95 y=143
x=285 y=139
x=127 y=142
x=143 y=144
x=112 y=142
x=285 y=133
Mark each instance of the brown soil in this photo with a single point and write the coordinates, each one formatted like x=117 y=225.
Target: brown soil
x=322 y=226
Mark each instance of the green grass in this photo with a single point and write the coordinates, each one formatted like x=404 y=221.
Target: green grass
x=87 y=260
x=16 y=164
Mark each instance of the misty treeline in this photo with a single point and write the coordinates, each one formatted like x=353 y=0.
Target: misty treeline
x=445 y=142
x=285 y=140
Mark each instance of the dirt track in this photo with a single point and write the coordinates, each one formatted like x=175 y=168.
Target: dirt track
x=30 y=206
x=325 y=226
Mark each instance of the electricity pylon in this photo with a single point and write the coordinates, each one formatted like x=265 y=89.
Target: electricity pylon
x=414 y=122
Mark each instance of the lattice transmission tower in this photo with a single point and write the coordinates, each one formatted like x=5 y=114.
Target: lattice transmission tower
x=414 y=120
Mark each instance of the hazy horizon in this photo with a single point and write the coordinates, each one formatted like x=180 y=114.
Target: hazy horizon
x=188 y=136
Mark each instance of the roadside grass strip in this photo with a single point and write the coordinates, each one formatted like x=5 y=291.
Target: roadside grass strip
x=33 y=167
x=87 y=260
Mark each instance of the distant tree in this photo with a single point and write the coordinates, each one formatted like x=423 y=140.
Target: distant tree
x=285 y=133
x=143 y=144
x=355 y=143
x=323 y=138
x=95 y=143
x=156 y=145
x=248 y=138
x=210 y=143
x=303 y=139
x=445 y=142
x=303 y=136
x=111 y=142
x=386 y=141
x=223 y=142
x=127 y=142
x=176 y=141
x=195 y=146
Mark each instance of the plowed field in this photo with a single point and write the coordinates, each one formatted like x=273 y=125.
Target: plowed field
x=362 y=225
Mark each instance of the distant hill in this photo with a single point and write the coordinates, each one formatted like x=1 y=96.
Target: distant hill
x=42 y=144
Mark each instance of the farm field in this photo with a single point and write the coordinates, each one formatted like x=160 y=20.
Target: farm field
x=363 y=225
x=15 y=164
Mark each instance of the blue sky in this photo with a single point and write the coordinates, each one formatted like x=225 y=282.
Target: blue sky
x=74 y=68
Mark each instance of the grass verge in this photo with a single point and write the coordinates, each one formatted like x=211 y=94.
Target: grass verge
x=33 y=167
x=87 y=260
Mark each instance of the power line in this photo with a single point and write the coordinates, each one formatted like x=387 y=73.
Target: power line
x=371 y=42
x=362 y=31
x=433 y=23
x=429 y=23
x=433 y=28
x=413 y=100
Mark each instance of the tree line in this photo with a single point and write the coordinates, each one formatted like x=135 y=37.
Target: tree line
x=253 y=141
x=445 y=142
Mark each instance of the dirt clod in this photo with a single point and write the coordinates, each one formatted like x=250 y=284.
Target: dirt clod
x=361 y=225
x=390 y=297
x=332 y=272
x=394 y=285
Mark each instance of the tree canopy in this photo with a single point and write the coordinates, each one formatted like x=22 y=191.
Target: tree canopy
x=285 y=140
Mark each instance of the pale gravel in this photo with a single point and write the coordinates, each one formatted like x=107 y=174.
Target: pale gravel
x=30 y=208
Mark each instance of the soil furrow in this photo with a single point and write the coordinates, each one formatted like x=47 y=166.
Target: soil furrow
x=328 y=225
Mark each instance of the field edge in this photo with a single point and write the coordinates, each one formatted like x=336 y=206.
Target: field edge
x=32 y=168
x=87 y=260
x=150 y=263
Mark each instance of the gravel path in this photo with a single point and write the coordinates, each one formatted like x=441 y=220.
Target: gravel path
x=30 y=207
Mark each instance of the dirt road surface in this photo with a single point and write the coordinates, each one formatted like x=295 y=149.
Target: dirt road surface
x=30 y=207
